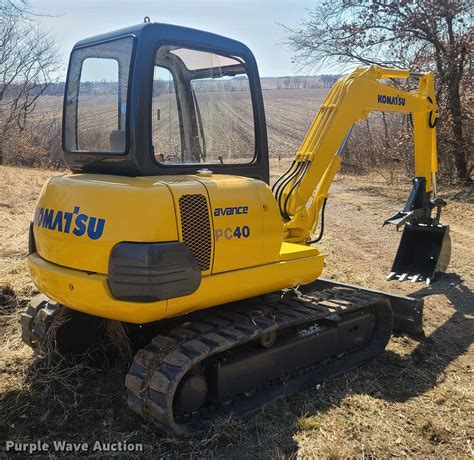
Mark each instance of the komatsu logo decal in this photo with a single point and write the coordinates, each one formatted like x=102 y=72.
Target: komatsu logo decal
x=392 y=100
x=231 y=211
x=70 y=222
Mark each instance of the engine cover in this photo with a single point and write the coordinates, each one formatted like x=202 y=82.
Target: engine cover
x=227 y=227
x=227 y=222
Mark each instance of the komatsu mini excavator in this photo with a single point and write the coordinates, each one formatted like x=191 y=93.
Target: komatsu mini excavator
x=168 y=225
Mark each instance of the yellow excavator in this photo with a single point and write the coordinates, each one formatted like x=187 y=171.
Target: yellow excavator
x=168 y=225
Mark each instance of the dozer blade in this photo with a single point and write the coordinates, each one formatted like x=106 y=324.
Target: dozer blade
x=424 y=250
x=407 y=311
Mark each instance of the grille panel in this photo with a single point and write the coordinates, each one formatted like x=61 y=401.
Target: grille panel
x=196 y=228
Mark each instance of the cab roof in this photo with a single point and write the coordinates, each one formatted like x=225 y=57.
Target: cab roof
x=157 y=28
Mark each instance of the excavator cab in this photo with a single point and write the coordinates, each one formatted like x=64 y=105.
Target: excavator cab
x=158 y=99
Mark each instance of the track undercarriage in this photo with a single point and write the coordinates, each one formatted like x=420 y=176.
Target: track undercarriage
x=239 y=357
x=233 y=359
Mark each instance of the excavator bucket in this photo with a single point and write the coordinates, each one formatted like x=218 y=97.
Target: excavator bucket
x=424 y=250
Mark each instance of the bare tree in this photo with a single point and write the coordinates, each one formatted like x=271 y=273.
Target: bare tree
x=418 y=34
x=28 y=63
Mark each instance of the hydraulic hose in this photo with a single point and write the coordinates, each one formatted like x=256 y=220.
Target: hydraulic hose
x=279 y=193
x=285 y=206
x=276 y=184
x=321 y=227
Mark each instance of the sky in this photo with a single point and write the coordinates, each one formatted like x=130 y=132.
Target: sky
x=255 y=23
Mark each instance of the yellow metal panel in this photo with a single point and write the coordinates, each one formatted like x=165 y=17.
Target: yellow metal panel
x=89 y=293
x=249 y=282
x=272 y=224
x=238 y=222
x=290 y=251
x=131 y=210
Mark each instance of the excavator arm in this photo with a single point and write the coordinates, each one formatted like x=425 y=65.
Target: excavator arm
x=302 y=191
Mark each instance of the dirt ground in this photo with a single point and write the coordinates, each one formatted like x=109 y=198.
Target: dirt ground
x=415 y=400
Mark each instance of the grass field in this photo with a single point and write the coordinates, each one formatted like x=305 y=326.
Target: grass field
x=288 y=112
x=415 y=400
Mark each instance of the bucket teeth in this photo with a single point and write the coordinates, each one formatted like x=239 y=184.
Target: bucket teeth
x=405 y=276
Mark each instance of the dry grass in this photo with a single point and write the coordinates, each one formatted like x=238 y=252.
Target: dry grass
x=118 y=338
x=415 y=400
x=20 y=189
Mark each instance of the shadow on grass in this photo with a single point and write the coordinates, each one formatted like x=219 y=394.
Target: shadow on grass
x=79 y=402
x=436 y=351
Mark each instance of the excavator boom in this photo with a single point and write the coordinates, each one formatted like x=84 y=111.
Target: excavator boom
x=302 y=191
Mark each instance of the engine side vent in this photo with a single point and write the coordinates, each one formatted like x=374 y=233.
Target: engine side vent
x=196 y=228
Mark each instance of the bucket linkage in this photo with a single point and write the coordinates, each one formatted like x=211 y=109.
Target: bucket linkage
x=425 y=246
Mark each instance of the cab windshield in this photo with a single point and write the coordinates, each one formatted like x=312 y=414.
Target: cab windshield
x=201 y=108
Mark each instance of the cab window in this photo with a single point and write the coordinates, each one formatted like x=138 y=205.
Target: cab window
x=202 y=109
x=96 y=98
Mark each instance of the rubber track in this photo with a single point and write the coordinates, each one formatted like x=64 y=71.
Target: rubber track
x=36 y=321
x=158 y=368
